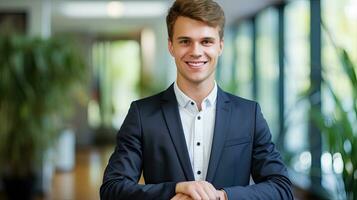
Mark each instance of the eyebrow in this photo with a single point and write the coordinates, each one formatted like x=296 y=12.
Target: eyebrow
x=188 y=38
x=183 y=38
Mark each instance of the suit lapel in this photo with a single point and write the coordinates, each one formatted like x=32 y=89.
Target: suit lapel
x=220 y=129
x=173 y=121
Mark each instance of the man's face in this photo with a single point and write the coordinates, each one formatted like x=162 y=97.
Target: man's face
x=196 y=48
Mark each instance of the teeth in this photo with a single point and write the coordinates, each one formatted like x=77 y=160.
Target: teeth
x=196 y=64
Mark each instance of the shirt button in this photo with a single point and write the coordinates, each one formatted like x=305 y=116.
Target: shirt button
x=192 y=103
x=198 y=143
x=198 y=172
x=199 y=117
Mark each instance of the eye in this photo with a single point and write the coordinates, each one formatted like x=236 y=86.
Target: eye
x=184 y=42
x=207 y=42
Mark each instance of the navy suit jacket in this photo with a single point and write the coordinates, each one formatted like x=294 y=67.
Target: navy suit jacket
x=151 y=140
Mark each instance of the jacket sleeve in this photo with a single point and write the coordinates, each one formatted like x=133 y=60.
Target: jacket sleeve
x=267 y=169
x=123 y=171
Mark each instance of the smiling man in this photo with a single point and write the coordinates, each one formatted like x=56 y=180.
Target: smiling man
x=193 y=140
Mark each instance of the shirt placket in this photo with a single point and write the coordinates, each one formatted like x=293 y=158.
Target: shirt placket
x=198 y=147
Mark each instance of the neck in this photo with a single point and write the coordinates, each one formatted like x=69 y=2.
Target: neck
x=197 y=92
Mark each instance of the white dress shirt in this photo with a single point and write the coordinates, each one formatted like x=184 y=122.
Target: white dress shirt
x=198 y=128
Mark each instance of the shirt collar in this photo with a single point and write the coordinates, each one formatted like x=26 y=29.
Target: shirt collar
x=183 y=100
x=212 y=96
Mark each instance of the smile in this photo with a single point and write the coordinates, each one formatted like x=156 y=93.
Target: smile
x=196 y=63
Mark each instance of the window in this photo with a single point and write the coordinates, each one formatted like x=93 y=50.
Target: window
x=243 y=45
x=116 y=71
x=343 y=29
x=297 y=81
x=340 y=27
x=267 y=67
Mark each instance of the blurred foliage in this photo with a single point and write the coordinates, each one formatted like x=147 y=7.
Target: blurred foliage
x=339 y=126
x=38 y=78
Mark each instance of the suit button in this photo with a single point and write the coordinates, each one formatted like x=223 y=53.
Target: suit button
x=192 y=103
x=198 y=172
x=199 y=117
x=198 y=143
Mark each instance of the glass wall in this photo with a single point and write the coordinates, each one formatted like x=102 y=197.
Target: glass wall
x=243 y=60
x=339 y=19
x=297 y=82
x=116 y=71
x=339 y=31
x=267 y=66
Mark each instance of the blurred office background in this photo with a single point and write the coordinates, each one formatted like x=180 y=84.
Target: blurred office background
x=297 y=58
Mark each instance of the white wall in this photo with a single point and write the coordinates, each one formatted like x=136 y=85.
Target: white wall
x=38 y=12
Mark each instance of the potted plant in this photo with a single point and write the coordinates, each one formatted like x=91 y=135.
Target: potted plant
x=37 y=78
x=339 y=127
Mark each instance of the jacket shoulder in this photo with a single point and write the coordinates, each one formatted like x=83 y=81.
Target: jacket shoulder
x=237 y=100
x=150 y=102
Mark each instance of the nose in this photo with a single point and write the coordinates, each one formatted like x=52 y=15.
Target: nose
x=196 y=50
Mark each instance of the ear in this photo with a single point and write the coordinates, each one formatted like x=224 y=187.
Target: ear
x=170 y=47
x=221 y=45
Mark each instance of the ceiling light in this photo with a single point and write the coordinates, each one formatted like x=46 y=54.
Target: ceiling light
x=113 y=9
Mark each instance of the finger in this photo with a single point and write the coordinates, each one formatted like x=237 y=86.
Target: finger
x=186 y=197
x=221 y=194
x=194 y=194
x=202 y=191
x=189 y=189
x=178 y=196
x=213 y=189
x=181 y=196
x=174 y=198
x=210 y=190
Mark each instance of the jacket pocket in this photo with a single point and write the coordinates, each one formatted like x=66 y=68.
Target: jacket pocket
x=237 y=141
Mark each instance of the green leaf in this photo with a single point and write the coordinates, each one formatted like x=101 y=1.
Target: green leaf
x=36 y=79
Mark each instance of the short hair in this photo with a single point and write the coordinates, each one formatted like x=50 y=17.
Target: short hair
x=206 y=11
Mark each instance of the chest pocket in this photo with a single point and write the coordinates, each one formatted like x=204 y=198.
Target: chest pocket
x=237 y=141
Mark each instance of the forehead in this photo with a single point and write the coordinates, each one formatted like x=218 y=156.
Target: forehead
x=187 y=27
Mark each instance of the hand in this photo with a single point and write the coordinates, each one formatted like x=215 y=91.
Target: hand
x=180 y=196
x=222 y=195
x=198 y=190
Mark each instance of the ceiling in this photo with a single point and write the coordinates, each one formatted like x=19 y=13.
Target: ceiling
x=238 y=9
x=234 y=10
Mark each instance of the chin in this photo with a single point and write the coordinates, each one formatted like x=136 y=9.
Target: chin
x=198 y=80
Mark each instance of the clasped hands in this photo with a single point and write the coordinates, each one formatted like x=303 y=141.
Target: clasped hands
x=198 y=190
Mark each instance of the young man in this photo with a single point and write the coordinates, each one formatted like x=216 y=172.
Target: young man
x=195 y=141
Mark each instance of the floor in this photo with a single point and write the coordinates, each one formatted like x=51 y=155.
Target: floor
x=84 y=181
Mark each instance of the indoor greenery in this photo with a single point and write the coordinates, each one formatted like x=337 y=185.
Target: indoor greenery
x=339 y=127
x=37 y=80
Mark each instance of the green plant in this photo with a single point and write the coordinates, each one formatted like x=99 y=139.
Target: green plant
x=37 y=80
x=339 y=126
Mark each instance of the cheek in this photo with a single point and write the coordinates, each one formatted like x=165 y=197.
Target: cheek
x=213 y=53
x=179 y=53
